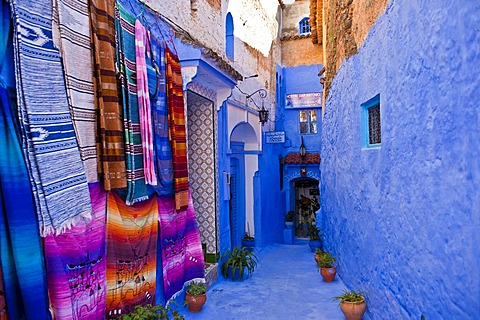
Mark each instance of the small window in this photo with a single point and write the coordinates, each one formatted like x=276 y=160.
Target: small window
x=308 y=121
x=371 y=123
x=304 y=26
x=229 y=38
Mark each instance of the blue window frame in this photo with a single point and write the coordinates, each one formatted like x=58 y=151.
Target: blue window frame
x=229 y=38
x=308 y=121
x=371 y=123
x=304 y=26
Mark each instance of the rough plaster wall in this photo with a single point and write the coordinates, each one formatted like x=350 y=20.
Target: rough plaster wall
x=347 y=24
x=205 y=24
x=292 y=14
x=404 y=220
x=301 y=52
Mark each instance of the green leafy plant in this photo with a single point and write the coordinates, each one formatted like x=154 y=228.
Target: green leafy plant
x=197 y=288
x=350 y=296
x=238 y=258
x=150 y=312
x=325 y=260
x=314 y=232
x=289 y=216
x=318 y=251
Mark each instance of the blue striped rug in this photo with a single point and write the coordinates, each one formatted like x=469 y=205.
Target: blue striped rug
x=48 y=138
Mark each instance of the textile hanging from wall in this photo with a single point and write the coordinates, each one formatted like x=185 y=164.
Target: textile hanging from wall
x=125 y=27
x=3 y=311
x=76 y=265
x=182 y=255
x=21 y=255
x=158 y=99
x=49 y=142
x=176 y=123
x=71 y=34
x=142 y=51
x=110 y=133
x=131 y=254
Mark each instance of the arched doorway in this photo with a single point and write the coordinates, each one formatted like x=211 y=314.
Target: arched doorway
x=306 y=193
x=243 y=165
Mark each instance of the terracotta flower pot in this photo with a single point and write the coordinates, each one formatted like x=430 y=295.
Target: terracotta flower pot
x=195 y=303
x=353 y=310
x=328 y=274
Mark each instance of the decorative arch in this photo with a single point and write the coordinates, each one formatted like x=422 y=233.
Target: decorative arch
x=229 y=39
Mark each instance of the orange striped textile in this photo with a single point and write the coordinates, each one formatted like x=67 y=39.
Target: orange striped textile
x=176 y=121
x=132 y=233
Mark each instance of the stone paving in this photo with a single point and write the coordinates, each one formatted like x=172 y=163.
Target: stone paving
x=286 y=285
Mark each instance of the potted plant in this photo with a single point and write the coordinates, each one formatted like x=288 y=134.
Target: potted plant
x=314 y=235
x=149 y=312
x=289 y=220
x=317 y=254
x=352 y=304
x=248 y=241
x=236 y=261
x=325 y=264
x=196 y=296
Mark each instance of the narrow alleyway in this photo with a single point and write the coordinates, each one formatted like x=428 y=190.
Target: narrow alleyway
x=286 y=285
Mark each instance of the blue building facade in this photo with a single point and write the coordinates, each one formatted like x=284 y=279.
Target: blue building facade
x=401 y=213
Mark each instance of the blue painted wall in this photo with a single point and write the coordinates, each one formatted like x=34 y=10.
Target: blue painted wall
x=404 y=220
x=300 y=79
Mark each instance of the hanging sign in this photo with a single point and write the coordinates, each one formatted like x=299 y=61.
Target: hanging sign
x=275 y=137
x=304 y=100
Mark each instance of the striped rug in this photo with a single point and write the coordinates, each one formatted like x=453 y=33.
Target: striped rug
x=71 y=34
x=125 y=28
x=110 y=133
x=49 y=142
x=131 y=254
x=76 y=265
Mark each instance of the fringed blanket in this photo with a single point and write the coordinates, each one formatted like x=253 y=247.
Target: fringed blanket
x=49 y=142
x=110 y=133
x=142 y=51
x=182 y=255
x=176 y=116
x=125 y=28
x=158 y=99
x=76 y=265
x=131 y=254
x=21 y=254
x=71 y=32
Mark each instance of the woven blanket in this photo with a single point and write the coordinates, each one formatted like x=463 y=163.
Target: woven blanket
x=158 y=99
x=56 y=171
x=71 y=34
x=131 y=254
x=176 y=115
x=142 y=51
x=110 y=133
x=21 y=256
x=182 y=255
x=125 y=28
x=76 y=265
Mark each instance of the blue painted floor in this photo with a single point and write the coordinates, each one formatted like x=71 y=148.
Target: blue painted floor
x=286 y=285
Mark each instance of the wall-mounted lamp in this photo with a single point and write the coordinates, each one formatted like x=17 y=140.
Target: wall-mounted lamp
x=303 y=150
x=262 y=112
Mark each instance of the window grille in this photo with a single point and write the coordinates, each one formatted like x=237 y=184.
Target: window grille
x=304 y=26
x=371 y=123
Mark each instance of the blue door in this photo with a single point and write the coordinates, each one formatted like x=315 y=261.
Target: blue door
x=237 y=205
